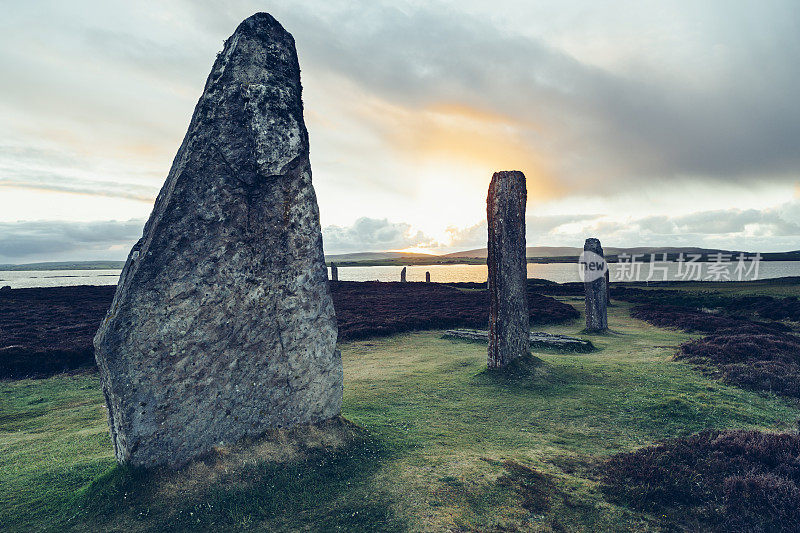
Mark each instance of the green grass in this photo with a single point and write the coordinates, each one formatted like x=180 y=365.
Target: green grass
x=445 y=445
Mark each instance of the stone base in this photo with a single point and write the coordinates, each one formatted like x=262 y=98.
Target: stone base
x=537 y=340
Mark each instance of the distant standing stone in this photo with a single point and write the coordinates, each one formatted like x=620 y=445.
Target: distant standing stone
x=508 y=306
x=334 y=272
x=608 y=288
x=403 y=275
x=427 y=277
x=223 y=325
x=596 y=292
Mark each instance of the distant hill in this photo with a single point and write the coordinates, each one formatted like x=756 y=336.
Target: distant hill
x=543 y=254
x=532 y=251
x=67 y=265
x=567 y=251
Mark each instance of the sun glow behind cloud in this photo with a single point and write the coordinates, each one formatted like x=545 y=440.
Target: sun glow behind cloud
x=621 y=118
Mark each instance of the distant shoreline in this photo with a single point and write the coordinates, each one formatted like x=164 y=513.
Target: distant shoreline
x=424 y=261
x=415 y=260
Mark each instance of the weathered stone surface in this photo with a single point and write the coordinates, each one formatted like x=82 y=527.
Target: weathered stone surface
x=427 y=277
x=596 y=292
x=508 y=306
x=222 y=325
x=403 y=275
x=537 y=340
x=334 y=272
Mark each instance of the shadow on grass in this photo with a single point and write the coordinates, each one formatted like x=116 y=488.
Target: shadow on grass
x=527 y=367
x=530 y=373
x=320 y=489
x=605 y=333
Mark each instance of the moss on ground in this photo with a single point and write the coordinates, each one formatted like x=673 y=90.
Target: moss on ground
x=445 y=445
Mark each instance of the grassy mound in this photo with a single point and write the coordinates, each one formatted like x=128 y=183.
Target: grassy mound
x=714 y=480
x=449 y=447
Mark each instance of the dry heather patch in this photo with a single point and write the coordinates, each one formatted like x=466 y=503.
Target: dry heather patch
x=693 y=320
x=763 y=362
x=45 y=331
x=714 y=480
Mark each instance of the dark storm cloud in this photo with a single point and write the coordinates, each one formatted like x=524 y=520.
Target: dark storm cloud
x=736 y=120
x=96 y=102
x=732 y=118
x=45 y=240
x=769 y=221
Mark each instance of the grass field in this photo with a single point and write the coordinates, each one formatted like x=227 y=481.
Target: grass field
x=441 y=445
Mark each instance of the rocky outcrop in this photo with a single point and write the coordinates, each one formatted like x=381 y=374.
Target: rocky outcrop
x=222 y=325
x=508 y=306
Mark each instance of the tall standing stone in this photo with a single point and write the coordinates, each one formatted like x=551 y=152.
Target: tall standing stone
x=427 y=277
x=403 y=275
x=334 y=272
x=509 y=328
x=595 y=288
x=222 y=325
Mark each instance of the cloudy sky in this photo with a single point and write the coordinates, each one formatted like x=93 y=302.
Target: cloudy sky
x=639 y=122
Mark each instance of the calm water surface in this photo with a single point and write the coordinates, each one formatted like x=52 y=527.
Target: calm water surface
x=559 y=272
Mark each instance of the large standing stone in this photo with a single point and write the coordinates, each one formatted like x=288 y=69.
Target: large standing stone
x=403 y=275
x=595 y=288
x=222 y=325
x=508 y=306
x=427 y=277
x=334 y=272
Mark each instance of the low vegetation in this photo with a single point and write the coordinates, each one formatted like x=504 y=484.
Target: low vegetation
x=770 y=299
x=45 y=331
x=714 y=481
x=369 y=309
x=695 y=320
x=761 y=355
x=437 y=443
x=758 y=361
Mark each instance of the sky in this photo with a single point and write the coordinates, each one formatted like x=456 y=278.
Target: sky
x=641 y=123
